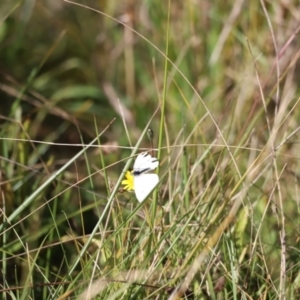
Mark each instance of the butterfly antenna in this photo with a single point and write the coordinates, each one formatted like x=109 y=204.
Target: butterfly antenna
x=150 y=135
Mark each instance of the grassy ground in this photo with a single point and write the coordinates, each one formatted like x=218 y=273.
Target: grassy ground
x=217 y=82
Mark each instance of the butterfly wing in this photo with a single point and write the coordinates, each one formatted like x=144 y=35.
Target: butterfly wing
x=144 y=184
x=144 y=163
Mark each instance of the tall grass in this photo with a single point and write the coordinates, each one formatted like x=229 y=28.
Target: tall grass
x=80 y=86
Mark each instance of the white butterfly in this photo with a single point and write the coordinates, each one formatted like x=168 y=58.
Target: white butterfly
x=144 y=183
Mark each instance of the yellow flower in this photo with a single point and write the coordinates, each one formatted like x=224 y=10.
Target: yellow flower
x=128 y=182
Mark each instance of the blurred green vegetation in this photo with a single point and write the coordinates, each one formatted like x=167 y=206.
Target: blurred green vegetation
x=228 y=162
